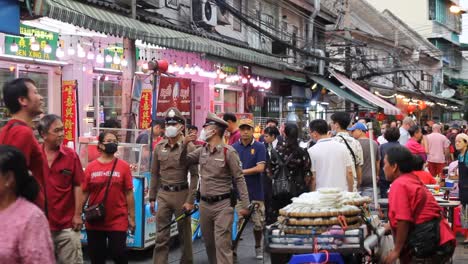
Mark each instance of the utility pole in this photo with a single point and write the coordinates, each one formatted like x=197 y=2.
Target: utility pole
x=129 y=51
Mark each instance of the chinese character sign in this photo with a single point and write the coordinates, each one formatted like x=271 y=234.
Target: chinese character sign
x=69 y=110
x=174 y=92
x=145 y=109
x=23 y=43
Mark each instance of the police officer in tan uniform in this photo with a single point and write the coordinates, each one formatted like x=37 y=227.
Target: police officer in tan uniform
x=170 y=186
x=219 y=169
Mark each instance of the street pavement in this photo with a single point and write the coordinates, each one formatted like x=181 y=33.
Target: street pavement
x=246 y=252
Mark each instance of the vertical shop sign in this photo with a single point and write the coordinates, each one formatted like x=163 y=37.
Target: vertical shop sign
x=174 y=92
x=69 y=110
x=47 y=43
x=145 y=109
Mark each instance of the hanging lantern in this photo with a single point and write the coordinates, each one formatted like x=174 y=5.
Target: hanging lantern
x=380 y=117
x=71 y=50
x=14 y=47
x=35 y=45
x=422 y=105
x=116 y=58
x=47 y=48
x=81 y=53
x=90 y=54
x=399 y=117
x=108 y=58
x=124 y=62
x=411 y=108
x=59 y=52
x=99 y=58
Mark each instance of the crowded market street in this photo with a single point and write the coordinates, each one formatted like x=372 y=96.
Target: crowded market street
x=233 y=131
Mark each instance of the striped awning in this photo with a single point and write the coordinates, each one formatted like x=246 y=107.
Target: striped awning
x=93 y=18
x=342 y=92
x=388 y=108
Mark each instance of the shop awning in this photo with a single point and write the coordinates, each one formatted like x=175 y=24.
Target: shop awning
x=94 y=18
x=388 y=108
x=341 y=92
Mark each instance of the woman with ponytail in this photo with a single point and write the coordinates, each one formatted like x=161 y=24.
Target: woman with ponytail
x=25 y=232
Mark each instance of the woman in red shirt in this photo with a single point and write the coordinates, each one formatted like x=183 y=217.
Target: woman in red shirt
x=410 y=203
x=119 y=204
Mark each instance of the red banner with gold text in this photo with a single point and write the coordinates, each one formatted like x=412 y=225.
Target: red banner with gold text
x=145 y=110
x=69 y=110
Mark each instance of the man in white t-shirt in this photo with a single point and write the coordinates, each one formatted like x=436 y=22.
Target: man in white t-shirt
x=331 y=163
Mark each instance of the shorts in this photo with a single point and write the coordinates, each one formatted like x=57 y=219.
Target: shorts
x=258 y=215
x=436 y=168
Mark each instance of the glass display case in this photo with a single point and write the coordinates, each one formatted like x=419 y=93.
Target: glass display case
x=137 y=155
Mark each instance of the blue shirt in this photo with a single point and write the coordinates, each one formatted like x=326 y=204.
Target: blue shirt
x=251 y=155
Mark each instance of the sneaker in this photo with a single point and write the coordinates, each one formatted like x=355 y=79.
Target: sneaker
x=259 y=252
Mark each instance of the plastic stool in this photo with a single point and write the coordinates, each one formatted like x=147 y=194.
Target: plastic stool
x=316 y=258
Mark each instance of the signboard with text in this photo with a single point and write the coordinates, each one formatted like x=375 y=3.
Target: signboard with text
x=119 y=51
x=69 y=110
x=23 y=43
x=174 y=92
x=145 y=109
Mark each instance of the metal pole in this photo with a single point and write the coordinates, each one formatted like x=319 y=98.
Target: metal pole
x=155 y=109
x=374 y=173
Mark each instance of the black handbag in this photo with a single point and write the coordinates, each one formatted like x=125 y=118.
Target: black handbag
x=423 y=240
x=281 y=182
x=97 y=212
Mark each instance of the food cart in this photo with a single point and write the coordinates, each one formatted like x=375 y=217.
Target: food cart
x=317 y=222
x=137 y=155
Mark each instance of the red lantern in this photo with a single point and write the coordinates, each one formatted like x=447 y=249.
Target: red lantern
x=422 y=105
x=399 y=117
x=380 y=117
x=160 y=65
x=411 y=108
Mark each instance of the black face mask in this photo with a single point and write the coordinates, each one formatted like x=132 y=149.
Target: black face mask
x=110 y=148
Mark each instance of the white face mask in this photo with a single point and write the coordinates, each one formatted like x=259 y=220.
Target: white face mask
x=206 y=135
x=172 y=131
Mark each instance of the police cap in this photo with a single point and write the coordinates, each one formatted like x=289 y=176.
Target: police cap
x=212 y=119
x=174 y=116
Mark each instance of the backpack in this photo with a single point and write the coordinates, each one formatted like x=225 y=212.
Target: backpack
x=282 y=182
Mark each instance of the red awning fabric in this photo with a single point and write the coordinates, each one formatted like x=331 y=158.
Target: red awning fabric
x=388 y=108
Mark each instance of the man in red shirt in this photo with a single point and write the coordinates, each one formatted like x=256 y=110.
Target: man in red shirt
x=25 y=103
x=232 y=128
x=63 y=183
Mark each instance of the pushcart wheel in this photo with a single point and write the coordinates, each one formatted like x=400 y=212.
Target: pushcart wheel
x=277 y=258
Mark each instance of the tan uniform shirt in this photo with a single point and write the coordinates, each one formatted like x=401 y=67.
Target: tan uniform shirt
x=217 y=170
x=168 y=170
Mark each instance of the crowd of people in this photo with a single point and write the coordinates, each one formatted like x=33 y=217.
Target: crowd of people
x=238 y=173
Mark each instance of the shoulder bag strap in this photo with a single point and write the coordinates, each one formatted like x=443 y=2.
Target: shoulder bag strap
x=350 y=149
x=109 y=181
x=10 y=127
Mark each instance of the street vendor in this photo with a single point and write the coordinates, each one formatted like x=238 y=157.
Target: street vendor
x=461 y=144
x=411 y=205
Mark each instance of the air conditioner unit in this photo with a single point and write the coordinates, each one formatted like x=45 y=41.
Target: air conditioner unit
x=205 y=12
